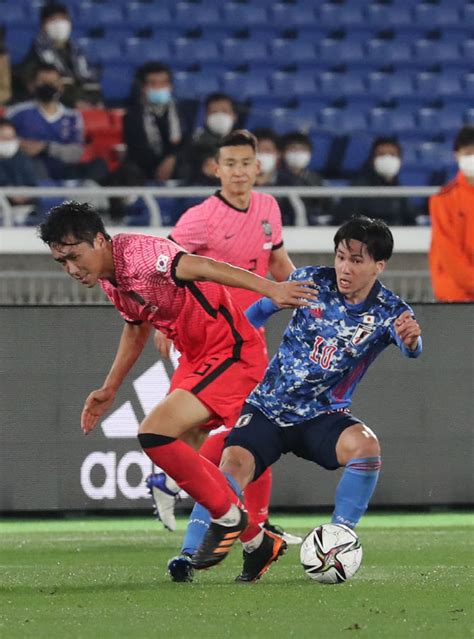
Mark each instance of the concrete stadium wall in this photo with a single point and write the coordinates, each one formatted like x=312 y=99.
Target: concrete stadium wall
x=52 y=357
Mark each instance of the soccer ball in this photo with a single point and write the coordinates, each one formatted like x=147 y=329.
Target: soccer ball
x=331 y=554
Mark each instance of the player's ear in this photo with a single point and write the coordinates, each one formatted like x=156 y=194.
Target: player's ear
x=380 y=265
x=99 y=240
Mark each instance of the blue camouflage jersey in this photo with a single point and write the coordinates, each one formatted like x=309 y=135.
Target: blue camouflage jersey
x=326 y=350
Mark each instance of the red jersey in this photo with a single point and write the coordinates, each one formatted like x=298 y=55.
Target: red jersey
x=243 y=238
x=199 y=317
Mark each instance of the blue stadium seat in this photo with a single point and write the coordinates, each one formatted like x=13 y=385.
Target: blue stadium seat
x=385 y=52
x=92 y=14
x=428 y=119
x=297 y=84
x=433 y=15
x=436 y=84
x=468 y=85
x=100 y=50
x=245 y=14
x=143 y=15
x=337 y=16
x=117 y=82
x=413 y=176
x=14 y=14
x=385 y=16
x=333 y=84
x=356 y=151
x=332 y=49
x=140 y=50
x=322 y=143
x=245 y=85
x=287 y=16
x=433 y=51
x=391 y=121
x=467 y=14
x=188 y=84
x=390 y=85
x=435 y=155
x=18 y=41
x=195 y=50
x=236 y=50
x=191 y=14
x=292 y=51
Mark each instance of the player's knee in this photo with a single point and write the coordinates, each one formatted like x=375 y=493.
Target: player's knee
x=355 y=442
x=239 y=463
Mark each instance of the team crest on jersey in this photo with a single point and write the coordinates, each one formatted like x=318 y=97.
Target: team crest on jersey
x=243 y=420
x=369 y=319
x=363 y=331
x=267 y=228
x=162 y=263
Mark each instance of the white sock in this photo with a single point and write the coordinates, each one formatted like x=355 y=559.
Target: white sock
x=230 y=518
x=171 y=484
x=253 y=544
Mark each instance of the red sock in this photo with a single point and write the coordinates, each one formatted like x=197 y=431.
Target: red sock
x=190 y=472
x=257 y=497
x=214 y=445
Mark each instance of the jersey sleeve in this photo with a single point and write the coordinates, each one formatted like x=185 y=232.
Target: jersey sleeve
x=396 y=339
x=156 y=260
x=192 y=230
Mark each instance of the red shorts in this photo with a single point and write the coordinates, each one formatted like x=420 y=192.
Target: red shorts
x=222 y=382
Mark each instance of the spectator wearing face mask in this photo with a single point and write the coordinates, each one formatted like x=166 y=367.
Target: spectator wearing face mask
x=268 y=155
x=16 y=168
x=52 y=134
x=219 y=120
x=381 y=169
x=53 y=45
x=296 y=153
x=452 y=228
x=153 y=126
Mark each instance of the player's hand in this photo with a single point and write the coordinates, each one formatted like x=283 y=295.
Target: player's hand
x=291 y=294
x=163 y=344
x=408 y=329
x=98 y=403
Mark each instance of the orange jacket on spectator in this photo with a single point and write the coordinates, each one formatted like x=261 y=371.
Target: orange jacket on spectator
x=452 y=241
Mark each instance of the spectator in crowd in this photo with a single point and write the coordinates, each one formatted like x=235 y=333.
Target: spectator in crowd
x=53 y=45
x=297 y=150
x=16 y=169
x=5 y=71
x=381 y=169
x=268 y=155
x=52 y=134
x=220 y=119
x=452 y=232
x=205 y=163
x=153 y=126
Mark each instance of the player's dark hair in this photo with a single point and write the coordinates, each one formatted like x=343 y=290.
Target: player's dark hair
x=295 y=137
x=387 y=139
x=43 y=67
x=7 y=122
x=265 y=133
x=53 y=9
x=72 y=219
x=152 y=67
x=217 y=97
x=239 y=137
x=375 y=234
x=465 y=137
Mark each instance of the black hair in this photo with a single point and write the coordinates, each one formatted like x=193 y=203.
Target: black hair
x=239 y=137
x=465 y=137
x=217 y=97
x=44 y=67
x=387 y=139
x=295 y=137
x=152 y=67
x=375 y=234
x=265 y=133
x=53 y=9
x=7 y=122
x=72 y=219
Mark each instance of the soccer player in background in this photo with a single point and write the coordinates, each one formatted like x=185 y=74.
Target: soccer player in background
x=243 y=228
x=154 y=283
x=303 y=403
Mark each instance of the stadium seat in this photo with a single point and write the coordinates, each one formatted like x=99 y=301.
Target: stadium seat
x=93 y=14
x=348 y=51
x=14 y=14
x=245 y=15
x=140 y=50
x=236 y=49
x=386 y=16
x=385 y=121
x=433 y=15
x=194 y=50
x=95 y=120
x=191 y=14
x=117 y=83
x=434 y=51
x=100 y=50
x=356 y=151
x=332 y=84
x=285 y=16
x=142 y=15
x=245 y=85
x=413 y=176
x=284 y=83
x=187 y=84
x=322 y=144
x=292 y=51
x=333 y=15
x=18 y=41
x=385 y=52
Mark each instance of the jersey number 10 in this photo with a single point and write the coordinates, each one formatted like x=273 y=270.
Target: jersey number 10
x=322 y=353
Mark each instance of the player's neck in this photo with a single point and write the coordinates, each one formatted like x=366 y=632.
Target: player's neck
x=239 y=201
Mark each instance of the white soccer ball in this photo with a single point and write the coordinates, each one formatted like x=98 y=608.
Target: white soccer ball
x=331 y=554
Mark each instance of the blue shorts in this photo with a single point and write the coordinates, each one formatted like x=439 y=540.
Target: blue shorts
x=314 y=439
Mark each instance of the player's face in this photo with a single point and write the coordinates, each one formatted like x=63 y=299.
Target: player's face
x=237 y=168
x=80 y=260
x=356 y=270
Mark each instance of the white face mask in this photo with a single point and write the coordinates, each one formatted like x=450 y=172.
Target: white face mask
x=298 y=159
x=220 y=123
x=466 y=165
x=267 y=162
x=387 y=165
x=59 y=30
x=8 y=148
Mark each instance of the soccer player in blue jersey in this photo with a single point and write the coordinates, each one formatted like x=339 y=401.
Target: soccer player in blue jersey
x=303 y=403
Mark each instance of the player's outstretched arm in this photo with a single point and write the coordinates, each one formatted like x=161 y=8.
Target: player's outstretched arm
x=283 y=294
x=132 y=342
x=408 y=332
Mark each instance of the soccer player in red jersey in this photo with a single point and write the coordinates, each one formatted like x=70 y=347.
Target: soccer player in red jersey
x=244 y=228
x=154 y=283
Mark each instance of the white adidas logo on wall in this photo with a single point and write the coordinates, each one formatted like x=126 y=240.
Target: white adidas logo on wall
x=151 y=387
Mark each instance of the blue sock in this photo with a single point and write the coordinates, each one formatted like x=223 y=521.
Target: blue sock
x=199 y=521
x=355 y=489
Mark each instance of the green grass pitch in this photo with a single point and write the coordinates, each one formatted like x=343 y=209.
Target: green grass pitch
x=100 y=578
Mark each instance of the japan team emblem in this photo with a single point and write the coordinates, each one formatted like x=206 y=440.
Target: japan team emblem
x=361 y=334
x=162 y=263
